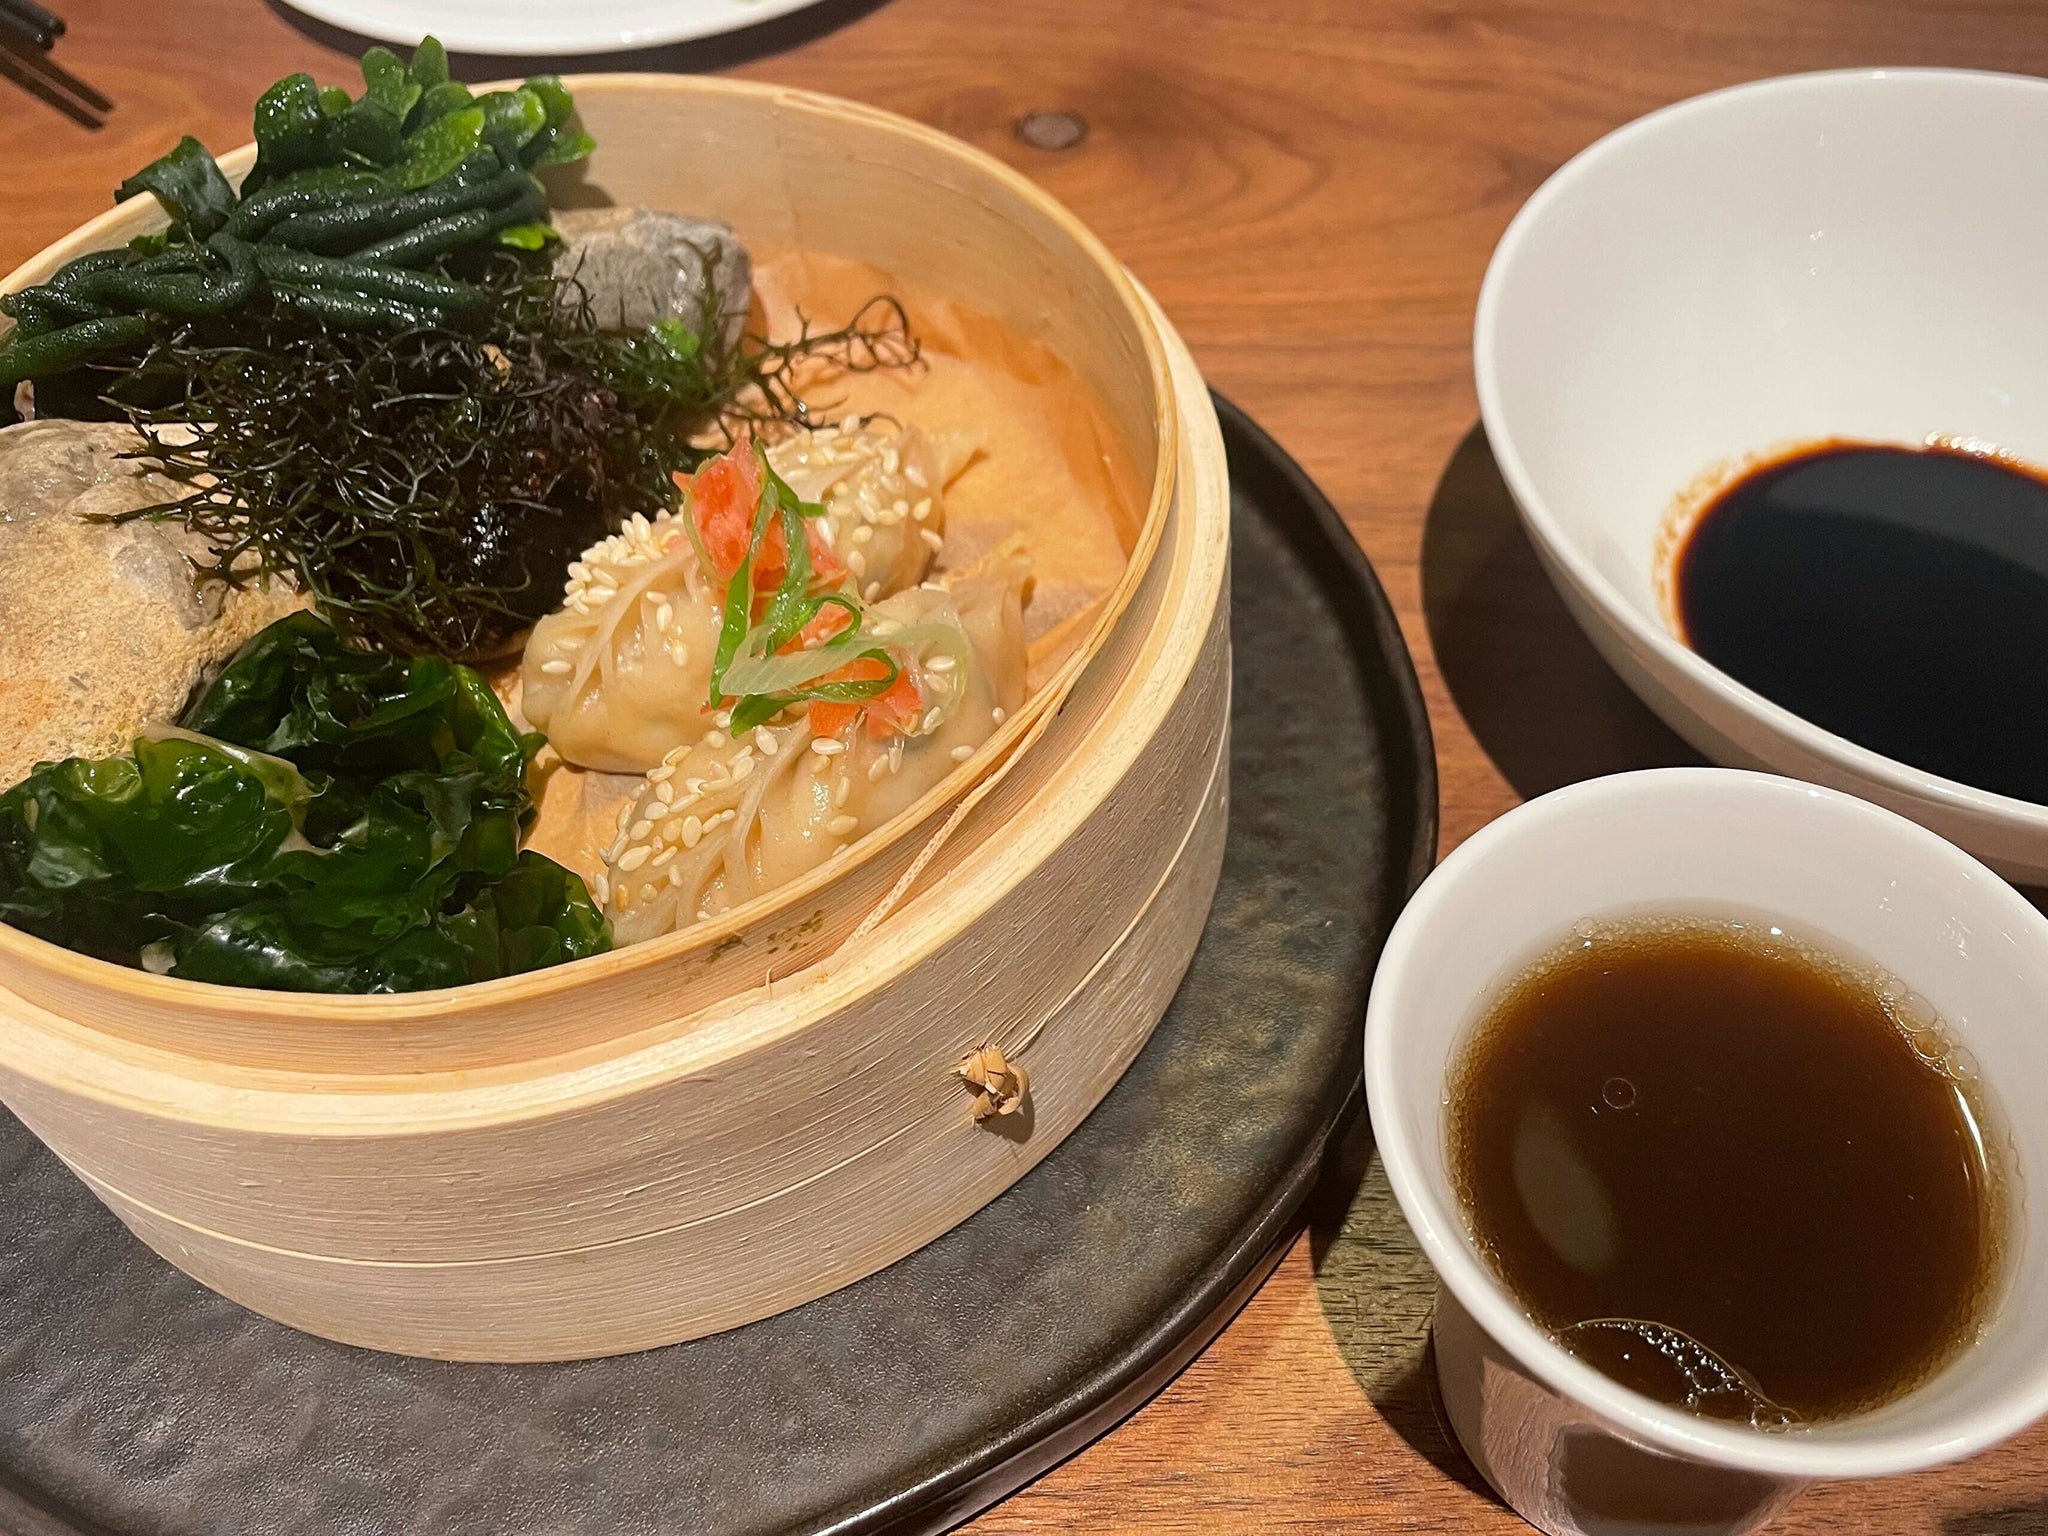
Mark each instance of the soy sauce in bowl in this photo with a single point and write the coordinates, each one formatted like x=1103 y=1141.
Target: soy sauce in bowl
x=1897 y=597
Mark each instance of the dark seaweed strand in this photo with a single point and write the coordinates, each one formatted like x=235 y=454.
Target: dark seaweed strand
x=767 y=388
x=430 y=484
x=428 y=487
x=759 y=384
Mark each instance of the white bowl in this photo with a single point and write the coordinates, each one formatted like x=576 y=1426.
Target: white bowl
x=1852 y=254
x=1835 y=869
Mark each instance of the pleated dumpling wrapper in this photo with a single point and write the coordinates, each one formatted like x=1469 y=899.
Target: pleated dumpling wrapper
x=620 y=675
x=725 y=820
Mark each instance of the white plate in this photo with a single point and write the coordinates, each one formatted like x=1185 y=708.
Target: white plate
x=542 y=27
x=1854 y=254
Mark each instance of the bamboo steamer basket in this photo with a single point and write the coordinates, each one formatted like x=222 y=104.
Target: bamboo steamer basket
x=690 y=1134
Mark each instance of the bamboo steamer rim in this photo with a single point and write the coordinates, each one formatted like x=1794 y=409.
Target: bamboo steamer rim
x=287 y=1009
x=84 y=1063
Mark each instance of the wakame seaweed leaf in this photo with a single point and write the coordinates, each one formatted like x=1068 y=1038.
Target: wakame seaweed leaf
x=389 y=85
x=437 y=150
x=511 y=119
x=304 y=695
x=293 y=131
x=428 y=66
x=189 y=183
x=325 y=820
x=528 y=237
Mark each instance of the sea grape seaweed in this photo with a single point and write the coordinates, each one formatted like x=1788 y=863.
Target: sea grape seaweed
x=412 y=172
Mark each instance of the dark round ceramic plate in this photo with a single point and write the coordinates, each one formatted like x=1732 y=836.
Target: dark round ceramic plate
x=135 y=1403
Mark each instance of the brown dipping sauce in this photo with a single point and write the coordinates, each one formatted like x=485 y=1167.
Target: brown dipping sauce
x=1894 y=596
x=1728 y=1170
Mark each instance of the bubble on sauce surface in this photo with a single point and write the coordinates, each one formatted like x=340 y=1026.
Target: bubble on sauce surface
x=1672 y=1366
x=1618 y=1093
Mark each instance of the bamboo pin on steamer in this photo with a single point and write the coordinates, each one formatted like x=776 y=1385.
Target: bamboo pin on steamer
x=654 y=1144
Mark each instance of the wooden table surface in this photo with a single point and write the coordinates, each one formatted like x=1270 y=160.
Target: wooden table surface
x=1311 y=188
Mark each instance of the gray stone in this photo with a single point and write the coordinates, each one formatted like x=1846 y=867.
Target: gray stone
x=104 y=626
x=640 y=266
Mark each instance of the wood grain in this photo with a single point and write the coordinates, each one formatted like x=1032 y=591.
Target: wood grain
x=1311 y=188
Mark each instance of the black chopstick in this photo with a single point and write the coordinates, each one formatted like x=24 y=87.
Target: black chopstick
x=26 y=70
x=27 y=22
x=15 y=22
x=38 y=17
x=79 y=88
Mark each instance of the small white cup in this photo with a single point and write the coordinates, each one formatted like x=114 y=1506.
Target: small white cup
x=1572 y=1451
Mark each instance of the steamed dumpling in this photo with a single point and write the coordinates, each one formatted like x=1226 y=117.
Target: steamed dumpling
x=620 y=675
x=723 y=820
x=880 y=488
